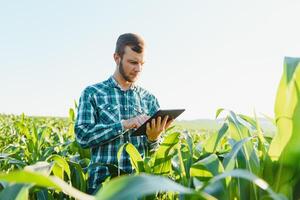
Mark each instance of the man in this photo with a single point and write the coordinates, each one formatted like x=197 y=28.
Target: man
x=109 y=111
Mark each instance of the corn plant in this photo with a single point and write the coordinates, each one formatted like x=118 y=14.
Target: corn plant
x=39 y=158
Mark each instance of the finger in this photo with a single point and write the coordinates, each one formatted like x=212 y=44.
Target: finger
x=147 y=127
x=158 y=121
x=153 y=124
x=169 y=123
x=165 y=121
x=135 y=122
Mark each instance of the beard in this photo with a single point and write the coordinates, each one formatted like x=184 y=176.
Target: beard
x=123 y=74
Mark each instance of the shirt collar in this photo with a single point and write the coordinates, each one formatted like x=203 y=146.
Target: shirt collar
x=112 y=81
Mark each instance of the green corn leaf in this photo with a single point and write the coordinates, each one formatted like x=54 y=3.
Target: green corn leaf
x=244 y=174
x=27 y=177
x=210 y=166
x=136 y=159
x=60 y=166
x=239 y=131
x=132 y=187
x=207 y=168
x=35 y=135
x=284 y=149
x=45 y=134
x=43 y=194
x=71 y=115
x=230 y=159
x=78 y=177
x=188 y=155
x=219 y=111
x=15 y=192
x=162 y=159
x=214 y=140
x=287 y=111
x=75 y=148
x=120 y=151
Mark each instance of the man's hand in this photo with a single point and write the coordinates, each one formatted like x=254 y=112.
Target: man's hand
x=157 y=127
x=135 y=122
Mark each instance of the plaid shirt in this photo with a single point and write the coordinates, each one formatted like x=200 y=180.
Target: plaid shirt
x=98 y=125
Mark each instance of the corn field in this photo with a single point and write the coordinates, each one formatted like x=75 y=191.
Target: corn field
x=40 y=158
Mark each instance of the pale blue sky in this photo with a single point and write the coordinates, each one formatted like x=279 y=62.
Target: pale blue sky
x=202 y=55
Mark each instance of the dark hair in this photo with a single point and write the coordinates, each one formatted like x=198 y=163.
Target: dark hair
x=132 y=40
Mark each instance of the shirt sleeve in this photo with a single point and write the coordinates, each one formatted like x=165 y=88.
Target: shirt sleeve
x=88 y=132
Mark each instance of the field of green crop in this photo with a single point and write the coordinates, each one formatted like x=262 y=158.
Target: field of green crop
x=238 y=158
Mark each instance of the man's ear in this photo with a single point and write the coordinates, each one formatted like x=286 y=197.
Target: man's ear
x=117 y=58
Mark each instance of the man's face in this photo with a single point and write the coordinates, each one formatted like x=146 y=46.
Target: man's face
x=131 y=64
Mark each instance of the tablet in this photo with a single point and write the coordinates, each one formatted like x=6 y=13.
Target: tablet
x=173 y=114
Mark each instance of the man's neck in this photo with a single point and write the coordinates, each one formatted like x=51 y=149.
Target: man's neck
x=125 y=85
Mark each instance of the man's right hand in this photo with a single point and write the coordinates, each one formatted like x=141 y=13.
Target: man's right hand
x=135 y=122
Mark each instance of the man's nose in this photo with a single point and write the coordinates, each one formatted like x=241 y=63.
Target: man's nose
x=139 y=67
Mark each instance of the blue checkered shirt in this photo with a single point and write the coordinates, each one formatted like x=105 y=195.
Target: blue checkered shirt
x=98 y=125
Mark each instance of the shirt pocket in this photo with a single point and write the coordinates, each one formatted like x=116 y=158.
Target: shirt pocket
x=137 y=109
x=108 y=113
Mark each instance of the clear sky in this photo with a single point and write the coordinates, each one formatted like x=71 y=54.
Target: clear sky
x=202 y=55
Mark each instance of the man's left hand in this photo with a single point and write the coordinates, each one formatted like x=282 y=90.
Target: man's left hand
x=156 y=127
